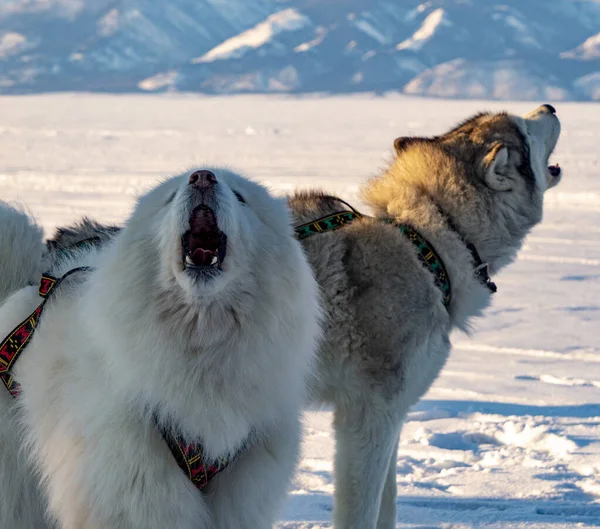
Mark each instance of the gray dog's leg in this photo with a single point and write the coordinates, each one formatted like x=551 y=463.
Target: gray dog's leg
x=388 y=512
x=365 y=442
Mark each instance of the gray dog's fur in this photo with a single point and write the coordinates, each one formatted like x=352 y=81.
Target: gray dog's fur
x=387 y=331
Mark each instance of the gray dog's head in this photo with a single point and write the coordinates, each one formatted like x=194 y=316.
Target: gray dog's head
x=504 y=152
x=489 y=174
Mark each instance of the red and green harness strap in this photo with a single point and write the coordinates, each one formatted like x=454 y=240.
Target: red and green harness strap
x=14 y=344
x=192 y=460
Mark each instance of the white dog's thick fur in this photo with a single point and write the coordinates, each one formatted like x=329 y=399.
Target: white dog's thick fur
x=221 y=358
x=21 y=249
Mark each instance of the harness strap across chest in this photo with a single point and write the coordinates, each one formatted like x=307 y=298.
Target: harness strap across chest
x=190 y=457
x=192 y=460
x=425 y=250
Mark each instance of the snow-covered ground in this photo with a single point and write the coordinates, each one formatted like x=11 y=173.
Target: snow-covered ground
x=509 y=435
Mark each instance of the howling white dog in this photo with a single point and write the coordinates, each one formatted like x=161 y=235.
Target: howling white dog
x=173 y=359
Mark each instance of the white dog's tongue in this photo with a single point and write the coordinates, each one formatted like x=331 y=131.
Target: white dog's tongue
x=204 y=237
x=203 y=257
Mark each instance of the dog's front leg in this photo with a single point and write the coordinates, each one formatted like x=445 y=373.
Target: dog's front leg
x=365 y=439
x=21 y=505
x=388 y=512
x=111 y=470
x=250 y=493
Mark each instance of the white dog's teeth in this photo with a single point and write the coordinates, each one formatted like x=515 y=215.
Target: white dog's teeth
x=188 y=260
x=214 y=260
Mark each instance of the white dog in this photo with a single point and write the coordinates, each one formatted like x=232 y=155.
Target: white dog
x=196 y=324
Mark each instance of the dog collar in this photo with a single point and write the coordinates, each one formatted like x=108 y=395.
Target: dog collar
x=324 y=224
x=427 y=253
x=481 y=269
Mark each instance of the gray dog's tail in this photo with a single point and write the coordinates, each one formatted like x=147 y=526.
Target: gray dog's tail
x=21 y=250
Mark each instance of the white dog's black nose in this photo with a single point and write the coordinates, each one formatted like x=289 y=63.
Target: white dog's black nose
x=202 y=179
x=548 y=108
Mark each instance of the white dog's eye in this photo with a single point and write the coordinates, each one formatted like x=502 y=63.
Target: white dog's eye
x=239 y=197
x=170 y=199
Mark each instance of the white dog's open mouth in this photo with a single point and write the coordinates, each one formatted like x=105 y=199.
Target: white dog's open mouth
x=204 y=245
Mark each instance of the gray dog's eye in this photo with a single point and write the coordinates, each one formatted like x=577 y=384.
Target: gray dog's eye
x=239 y=197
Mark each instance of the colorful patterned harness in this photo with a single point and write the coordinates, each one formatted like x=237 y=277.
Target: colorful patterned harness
x=14 y=344
x=190 y=457
x=425 y=250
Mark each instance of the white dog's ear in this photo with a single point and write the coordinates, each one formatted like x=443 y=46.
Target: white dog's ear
x=495 y=168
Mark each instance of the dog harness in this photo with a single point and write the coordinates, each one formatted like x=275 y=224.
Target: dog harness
x=425 y=250
x=14 y=344
x=190 y=457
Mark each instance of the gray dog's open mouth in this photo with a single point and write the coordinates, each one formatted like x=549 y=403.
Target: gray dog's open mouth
x=204 y=245
x=554 y=170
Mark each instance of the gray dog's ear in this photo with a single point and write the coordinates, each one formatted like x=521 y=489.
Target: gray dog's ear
x=400 y=144
x=495 y=168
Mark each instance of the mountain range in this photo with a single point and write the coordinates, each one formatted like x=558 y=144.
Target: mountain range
x=511 y=49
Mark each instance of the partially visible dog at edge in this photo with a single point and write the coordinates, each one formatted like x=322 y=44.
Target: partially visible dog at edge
x=198 y=322
x=479 y=186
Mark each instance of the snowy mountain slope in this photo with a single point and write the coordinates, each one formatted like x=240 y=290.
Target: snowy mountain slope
x=113 y=44
x=502 y=79
x=458 y=48
x=257 y=37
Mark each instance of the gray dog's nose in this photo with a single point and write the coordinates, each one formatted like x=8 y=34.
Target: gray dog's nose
x=549 y=108
x=202 y=179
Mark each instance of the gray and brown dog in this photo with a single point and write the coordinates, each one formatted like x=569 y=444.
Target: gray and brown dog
x=481 y=186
